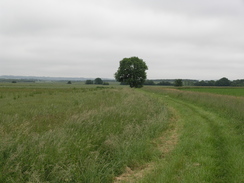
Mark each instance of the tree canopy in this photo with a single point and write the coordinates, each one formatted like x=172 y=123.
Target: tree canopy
x=223 y=82
x=89 y=82
x=98 y=81
x=178 y=82
x=132 y=71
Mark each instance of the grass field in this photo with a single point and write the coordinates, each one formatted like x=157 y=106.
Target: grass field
x=55 y=132
x=76 y=134
x=221 y=90
x=210 y=146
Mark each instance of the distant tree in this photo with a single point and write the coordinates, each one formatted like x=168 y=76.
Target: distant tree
x=238 y=82
x=123 y=83
x=69 y=82
x=149 y=82
x=205 y=83
x=132 y=71
x=223 y=82
x=200 y=83
x=178 y=83
x=211 y=83
x=164 y=83
x=105 y=83
x=98 y=81
x=89 y=82
x=14 y=81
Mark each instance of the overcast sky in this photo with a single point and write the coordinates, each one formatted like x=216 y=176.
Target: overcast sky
x=190 y=39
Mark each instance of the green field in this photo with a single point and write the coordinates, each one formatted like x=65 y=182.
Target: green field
x=55 y=132
x=76 y=134
x=222 y=91
x=210 y=146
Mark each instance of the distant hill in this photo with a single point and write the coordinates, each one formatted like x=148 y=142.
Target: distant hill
x=43 y=78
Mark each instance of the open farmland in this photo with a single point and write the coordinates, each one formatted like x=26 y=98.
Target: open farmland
x=56 y=132
x=236 y=91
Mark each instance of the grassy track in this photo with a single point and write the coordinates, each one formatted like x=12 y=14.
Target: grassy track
x=210 y=149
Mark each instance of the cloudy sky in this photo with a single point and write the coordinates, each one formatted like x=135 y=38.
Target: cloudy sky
x=191 y=39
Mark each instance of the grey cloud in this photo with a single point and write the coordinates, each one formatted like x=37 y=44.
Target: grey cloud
x=86 y=38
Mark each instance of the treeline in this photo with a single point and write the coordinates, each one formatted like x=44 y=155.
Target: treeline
x=187 y=82
x=17 y=80
x=162 y=83
x=171 y=82
x=221 y=82
x=97 y=81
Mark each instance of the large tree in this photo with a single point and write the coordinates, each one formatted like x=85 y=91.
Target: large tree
x=132 y=71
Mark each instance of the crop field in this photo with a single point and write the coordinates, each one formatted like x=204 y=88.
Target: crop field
x=55 y=132
x=222 y=91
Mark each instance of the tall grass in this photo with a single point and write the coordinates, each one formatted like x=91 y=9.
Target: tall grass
x=210 y=146
x=228 y=106
x=76 y=135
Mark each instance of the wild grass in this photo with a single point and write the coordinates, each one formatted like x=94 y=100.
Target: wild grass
x=76 y=134
x=225 y=105
x=210 y=146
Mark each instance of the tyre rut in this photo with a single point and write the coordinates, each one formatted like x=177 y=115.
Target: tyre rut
x=218 y=142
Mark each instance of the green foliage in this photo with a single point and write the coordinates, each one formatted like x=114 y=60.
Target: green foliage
x=223 y=82
x=69 y=82
x=98 y=81
x=105 y=83
x=149 y=82
x=178 y=83
x=205 y=83
x=164 y=83
x=89 y=82
x=239 y=82
x=132 y=71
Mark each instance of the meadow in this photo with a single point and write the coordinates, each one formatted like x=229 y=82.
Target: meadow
x=210 y=140
x=59 y=133
x=235 y=91
x=55 y=132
